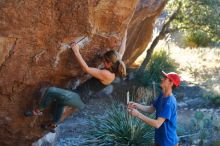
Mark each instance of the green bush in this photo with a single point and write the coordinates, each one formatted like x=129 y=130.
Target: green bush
x=160 y=61
x=216 y=143
x=213 y=98
x=196 y=39
x=119 y=128
x=216 y=99
x=201 y=127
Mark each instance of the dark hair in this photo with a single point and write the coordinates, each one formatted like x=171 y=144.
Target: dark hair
x=118 y=67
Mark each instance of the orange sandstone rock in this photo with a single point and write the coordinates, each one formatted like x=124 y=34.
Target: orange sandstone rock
x=31 y=33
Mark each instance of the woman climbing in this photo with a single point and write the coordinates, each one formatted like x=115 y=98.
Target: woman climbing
x=113 y=66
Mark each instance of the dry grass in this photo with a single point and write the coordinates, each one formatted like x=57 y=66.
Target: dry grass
x=199 y=66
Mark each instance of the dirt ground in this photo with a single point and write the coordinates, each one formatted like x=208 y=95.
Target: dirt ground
x=72 y=132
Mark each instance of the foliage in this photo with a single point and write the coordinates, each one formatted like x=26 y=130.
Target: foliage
x=194 y=15
x=119 y=128
x=201 y=127
x=160 y=61
x=196 y=39
x=216 y=143
x=215 y=98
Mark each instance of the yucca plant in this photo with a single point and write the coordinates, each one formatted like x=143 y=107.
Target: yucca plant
x=120 y=128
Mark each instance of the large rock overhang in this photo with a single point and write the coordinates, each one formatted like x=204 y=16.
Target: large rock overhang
x=30 y=55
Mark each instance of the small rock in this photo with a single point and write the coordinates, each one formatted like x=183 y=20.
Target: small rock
x=181 y=104
x=203 y=110
x=211 y=110
x=185 y=98
x=196 y=141
x=48 y=140
x=185 y=108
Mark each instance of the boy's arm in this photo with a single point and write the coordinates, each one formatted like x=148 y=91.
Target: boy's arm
x=156 y=123
x=149 y=109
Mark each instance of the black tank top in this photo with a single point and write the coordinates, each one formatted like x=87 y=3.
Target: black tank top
x=89 y=88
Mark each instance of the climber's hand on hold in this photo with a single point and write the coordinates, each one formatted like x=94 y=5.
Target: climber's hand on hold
x=75 y=47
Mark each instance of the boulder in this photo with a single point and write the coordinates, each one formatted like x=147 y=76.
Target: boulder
x=31 y=56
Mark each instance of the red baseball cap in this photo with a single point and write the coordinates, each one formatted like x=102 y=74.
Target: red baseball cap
x=174 y=77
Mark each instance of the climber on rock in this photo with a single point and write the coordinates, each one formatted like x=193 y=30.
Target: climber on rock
x=113 y=66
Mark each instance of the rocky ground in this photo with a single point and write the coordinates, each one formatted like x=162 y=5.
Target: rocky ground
x=73 y=131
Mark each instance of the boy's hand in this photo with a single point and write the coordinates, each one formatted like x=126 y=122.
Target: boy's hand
x=133 y=112
x=132 y=104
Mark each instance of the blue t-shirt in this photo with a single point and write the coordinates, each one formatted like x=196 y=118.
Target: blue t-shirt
x=166 y=108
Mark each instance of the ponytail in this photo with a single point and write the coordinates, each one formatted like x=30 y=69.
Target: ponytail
x=118 y=66
x=121 y=70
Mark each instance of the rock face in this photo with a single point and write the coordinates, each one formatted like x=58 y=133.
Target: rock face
x=31 y=57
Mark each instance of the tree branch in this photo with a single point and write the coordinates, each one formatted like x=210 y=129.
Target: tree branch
x=161 y=35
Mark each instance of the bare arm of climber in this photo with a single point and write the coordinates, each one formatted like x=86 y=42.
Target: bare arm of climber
x=156 y=123
x=149 y=109
x=105 y=76
x=122 y=48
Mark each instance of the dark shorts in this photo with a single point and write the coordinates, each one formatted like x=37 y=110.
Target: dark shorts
x=65 y=97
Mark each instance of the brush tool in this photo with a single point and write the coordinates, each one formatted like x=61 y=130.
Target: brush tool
x=82 y=42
